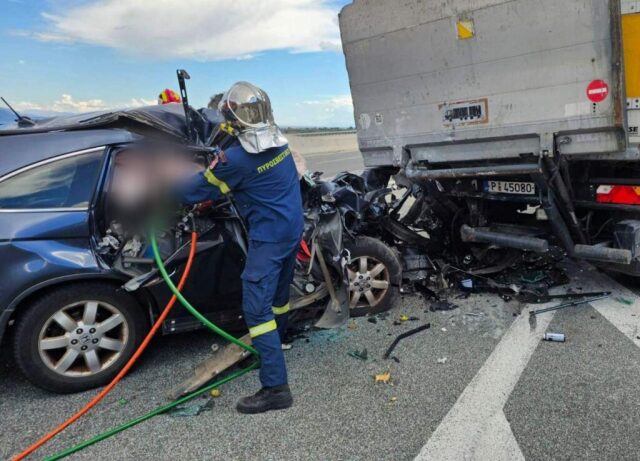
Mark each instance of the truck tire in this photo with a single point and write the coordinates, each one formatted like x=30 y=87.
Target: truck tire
x=78 y=337
x=374 y=276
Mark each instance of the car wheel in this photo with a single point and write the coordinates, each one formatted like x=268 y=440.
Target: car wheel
x=374 y=276
x=78 y=337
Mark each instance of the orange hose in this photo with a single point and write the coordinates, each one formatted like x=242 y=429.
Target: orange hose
x=102 y=394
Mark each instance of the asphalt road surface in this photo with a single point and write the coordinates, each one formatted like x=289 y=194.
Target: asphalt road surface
x=333 y=163
x=329 y=153
x=501 y=393
x=479 y=384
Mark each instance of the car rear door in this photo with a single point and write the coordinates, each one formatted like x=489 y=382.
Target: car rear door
x=44 y=220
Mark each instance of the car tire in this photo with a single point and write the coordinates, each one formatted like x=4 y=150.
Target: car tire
x=367 y=254
x=56 y=350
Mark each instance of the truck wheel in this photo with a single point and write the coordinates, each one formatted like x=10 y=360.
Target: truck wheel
x=374 y=276
x=78 y=337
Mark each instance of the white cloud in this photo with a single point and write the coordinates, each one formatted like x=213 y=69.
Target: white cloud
x=331 y=46
x=196 y=29
x=139 y=102
x=68 y=104
x=65 y=104
x=332 y=104
x=331 y=111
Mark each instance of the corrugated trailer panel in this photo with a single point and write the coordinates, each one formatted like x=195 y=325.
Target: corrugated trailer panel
x=501 y=76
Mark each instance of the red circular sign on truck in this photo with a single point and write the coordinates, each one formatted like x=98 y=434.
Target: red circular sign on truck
x=597 y=91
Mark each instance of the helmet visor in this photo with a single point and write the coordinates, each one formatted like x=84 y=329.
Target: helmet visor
x=248 y=105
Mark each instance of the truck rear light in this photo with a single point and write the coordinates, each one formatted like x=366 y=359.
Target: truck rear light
x=623 y=195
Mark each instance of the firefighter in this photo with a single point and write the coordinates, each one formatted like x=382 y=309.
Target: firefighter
x=167 y=96
x=259 y=170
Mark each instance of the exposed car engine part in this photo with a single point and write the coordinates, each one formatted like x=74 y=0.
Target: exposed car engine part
x=108 y=244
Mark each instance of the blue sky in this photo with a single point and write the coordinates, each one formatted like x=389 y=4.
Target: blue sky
x=90 y=54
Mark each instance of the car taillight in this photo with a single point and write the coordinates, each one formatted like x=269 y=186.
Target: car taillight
x=623 y=195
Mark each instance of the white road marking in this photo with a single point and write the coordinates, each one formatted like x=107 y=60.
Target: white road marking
x=624 y=317
x=475 y=428
x=497 y=433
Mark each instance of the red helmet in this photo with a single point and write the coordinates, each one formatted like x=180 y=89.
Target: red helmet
x=167 y=96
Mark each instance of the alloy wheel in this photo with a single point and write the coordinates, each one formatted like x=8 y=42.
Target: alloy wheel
x=83 y=338
x=369 y=281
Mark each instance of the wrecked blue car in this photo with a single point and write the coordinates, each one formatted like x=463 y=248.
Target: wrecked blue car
x=79 y=288
x=65 y=257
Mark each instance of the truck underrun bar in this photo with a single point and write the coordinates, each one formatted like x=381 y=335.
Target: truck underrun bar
x=413 y=171
x=520 y=242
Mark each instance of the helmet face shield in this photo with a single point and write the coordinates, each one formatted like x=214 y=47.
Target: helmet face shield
x=247 y=105
x=248 y=109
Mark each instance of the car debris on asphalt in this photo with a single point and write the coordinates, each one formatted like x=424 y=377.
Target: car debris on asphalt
x=554 y=337
x=622 y=300
x=570 y=304
x=361 y=355
x=442 y=305
x=384 y=378
x=192 y=410
x=401 y=336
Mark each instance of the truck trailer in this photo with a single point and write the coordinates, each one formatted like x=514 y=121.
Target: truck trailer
x=513 y=122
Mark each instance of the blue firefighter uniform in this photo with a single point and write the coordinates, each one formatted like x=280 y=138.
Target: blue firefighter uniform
x=266 y=190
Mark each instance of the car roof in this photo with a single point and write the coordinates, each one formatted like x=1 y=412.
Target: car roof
x=18 y=151
x=168 y=119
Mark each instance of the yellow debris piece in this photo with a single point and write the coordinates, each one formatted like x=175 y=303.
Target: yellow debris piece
x=404 y=318
x=383 y=377
x=215 y=392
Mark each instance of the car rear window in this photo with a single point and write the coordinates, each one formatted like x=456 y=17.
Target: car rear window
x=64 y=183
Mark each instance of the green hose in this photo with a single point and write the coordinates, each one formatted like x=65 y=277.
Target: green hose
x=164 y=408
x=187 y=305
x=151 y=414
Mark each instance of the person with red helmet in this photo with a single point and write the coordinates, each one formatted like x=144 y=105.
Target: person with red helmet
x=168 y=96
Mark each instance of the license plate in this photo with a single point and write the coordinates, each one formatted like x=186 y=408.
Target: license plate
x=510 y=187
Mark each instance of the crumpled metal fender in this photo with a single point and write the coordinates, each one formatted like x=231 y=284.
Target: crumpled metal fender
x=327 y=241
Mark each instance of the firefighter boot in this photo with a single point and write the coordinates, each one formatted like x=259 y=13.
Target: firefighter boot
x=267 y=398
